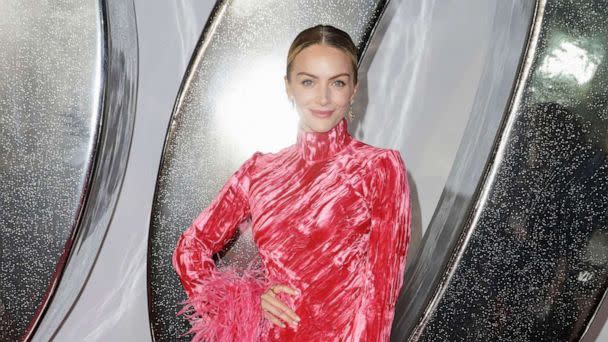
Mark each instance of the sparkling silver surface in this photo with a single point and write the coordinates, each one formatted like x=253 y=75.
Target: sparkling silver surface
x=50 y=79
x=120 y=87
x=229 y=107
x=533 y=261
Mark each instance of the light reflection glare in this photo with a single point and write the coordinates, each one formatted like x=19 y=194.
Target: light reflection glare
x=569 y=60
x=254 y=113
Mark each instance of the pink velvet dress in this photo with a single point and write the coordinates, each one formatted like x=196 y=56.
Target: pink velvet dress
x=330 y=217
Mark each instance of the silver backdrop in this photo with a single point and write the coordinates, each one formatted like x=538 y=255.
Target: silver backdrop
x=113 y=305
x=51 y=86
x=69 y=80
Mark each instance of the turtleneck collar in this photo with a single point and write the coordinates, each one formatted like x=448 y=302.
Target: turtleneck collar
x=318 y=146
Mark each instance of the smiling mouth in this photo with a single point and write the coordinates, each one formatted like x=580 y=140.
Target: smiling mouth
x=321 y=113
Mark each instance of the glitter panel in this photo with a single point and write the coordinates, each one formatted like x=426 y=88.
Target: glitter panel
x=533 y=262
x=120 y=73
x=51 y=57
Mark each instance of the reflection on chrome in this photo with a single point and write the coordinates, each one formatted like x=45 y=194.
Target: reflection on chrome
x=256 y=107
x=570 y=59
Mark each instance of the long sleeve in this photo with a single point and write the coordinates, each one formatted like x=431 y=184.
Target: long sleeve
x=388 y=242
x=223 y=304
x=211 y=230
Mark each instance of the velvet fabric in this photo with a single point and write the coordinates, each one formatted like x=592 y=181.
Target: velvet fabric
x=330 y=217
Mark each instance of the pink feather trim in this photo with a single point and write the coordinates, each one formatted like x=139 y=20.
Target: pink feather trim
x=228 y=306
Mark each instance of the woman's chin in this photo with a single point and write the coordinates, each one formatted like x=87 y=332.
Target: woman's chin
x=320 y=125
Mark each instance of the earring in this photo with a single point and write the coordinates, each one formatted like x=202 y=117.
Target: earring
x=350 y=114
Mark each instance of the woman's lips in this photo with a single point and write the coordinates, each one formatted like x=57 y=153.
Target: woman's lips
x=321 y=113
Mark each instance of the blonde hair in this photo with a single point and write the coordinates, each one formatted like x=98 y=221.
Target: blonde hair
x=324 y=35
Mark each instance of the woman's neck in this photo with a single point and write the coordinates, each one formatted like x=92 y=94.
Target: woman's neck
x=314 y=146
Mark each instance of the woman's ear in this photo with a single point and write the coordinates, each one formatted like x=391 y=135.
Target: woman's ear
x=352 y=98
x=287 y=87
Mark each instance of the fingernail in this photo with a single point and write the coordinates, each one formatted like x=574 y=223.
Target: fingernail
x=298 y=319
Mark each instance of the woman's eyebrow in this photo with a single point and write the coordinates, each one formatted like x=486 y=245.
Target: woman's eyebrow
x=342 y=74
x=302 y=73
x=313 y=76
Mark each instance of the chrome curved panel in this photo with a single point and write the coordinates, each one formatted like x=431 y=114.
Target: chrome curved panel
x=437 y=85
x=532 y=262
x=51 y=72
x=119 y=101
x=230 y=93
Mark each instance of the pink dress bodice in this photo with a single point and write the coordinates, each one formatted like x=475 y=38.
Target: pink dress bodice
x=330 y=216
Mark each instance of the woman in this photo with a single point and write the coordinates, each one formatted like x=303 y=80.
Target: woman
x=330 y=218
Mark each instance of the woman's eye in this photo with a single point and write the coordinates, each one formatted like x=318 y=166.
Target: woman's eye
x=307 y=82
x=339 y=83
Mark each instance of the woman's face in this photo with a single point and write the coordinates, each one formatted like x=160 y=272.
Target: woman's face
x=322 y=86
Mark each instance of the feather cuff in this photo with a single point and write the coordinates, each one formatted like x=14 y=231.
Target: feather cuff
x=227 y=305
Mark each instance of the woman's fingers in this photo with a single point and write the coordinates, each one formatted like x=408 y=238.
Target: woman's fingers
x=275 y=307
x=289 y=290
x=278 y=308
x=286 y=289
x=273 y=319
x=275 y=301
x=276 y=312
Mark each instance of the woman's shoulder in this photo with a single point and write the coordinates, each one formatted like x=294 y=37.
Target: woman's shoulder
x=373 y=155
x=263 y=159
x=379 y=164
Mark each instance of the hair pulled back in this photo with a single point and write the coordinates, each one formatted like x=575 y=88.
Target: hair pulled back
x=325 y=35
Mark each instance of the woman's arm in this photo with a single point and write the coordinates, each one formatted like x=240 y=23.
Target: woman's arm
x=388 y=242
x=211 y=230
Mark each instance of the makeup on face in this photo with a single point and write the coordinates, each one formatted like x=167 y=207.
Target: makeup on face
x=321 y=86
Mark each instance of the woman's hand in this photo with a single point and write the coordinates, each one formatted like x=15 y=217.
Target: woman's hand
x=274 y=308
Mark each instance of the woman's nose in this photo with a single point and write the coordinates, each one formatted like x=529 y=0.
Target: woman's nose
x=323 y=94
